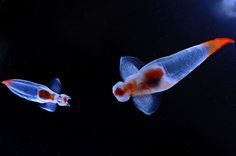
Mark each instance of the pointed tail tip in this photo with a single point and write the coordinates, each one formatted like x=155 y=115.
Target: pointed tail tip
x=217 y=43
x=225 y=40
x=6 y=82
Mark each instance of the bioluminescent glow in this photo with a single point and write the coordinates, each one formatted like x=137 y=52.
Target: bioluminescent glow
x=229 y=7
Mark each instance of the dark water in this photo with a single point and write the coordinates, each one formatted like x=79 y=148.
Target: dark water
x=81 y=43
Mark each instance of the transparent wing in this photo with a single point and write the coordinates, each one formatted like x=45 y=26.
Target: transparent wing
x=148 y=104
x=55 y=85
x=129 y=66
x=51 y=107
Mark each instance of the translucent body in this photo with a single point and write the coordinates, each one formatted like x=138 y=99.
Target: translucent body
x=160 y=74
x=175 y=67
x=41 y=94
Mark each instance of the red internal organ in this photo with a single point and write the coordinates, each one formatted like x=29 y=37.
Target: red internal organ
x=152 y=78
x=43 y=94
x=119 y=92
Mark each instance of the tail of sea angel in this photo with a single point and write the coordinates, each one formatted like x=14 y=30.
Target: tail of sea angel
x=216 y=44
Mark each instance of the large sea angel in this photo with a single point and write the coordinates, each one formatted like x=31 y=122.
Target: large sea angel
x=47 y=97
x=145 y=83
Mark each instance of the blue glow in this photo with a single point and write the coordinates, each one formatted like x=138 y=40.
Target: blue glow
x=229 y=7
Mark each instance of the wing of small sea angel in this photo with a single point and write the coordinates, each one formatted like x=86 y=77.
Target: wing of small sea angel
x=51 y=107
x=55 y=85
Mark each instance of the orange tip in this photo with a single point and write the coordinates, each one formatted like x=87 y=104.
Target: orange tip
x=6 y=82
x=216 y=44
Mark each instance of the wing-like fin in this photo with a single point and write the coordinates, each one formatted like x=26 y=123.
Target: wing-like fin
x=55 y=85
x=51 y=107
x=148 y=104
x=129 y=66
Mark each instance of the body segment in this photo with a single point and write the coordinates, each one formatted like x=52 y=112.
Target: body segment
x=29 y=90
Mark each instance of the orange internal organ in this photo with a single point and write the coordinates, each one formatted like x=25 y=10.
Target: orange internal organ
x=152 y=78
x=129 y=88
x=119 y=91
x=64 y=100
x=46 y=95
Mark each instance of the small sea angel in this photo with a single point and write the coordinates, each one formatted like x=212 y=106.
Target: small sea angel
x=145 y=83
x=46 y=97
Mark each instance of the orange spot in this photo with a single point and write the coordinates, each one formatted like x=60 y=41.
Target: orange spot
x=119 y=92
x=152 y=78
x=6 y=82
x=65 y=100
x=216 y=44
x=46 y=95
x=130 y=87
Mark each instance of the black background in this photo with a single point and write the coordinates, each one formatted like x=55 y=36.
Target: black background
x=81 y=41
